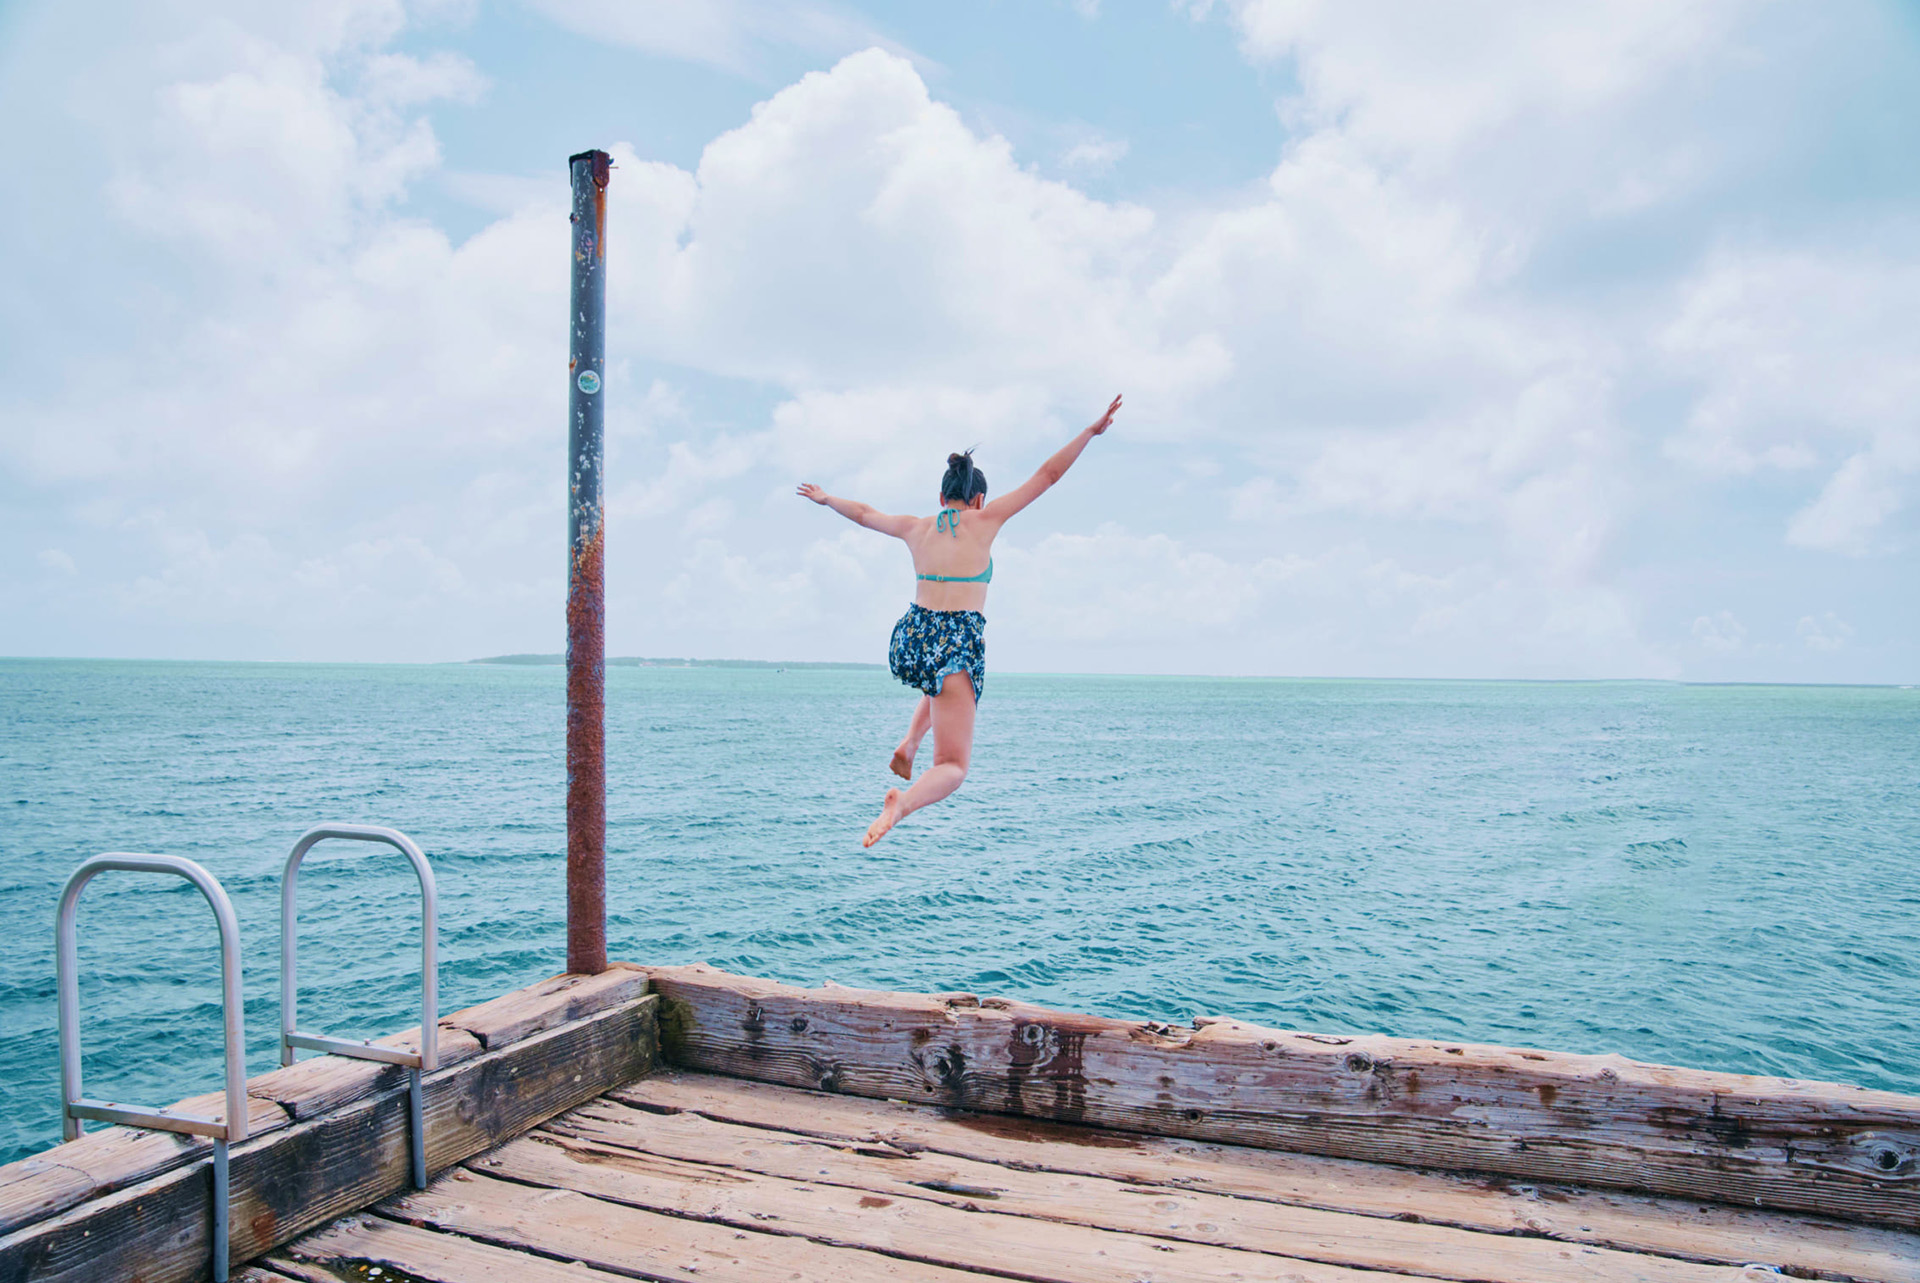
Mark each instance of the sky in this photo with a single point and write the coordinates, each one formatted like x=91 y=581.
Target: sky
x=1482 y=340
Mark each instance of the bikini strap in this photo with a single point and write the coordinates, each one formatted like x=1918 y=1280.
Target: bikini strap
x=949 y=520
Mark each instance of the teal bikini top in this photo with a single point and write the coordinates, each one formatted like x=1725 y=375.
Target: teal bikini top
x=949 y=521
x=984 y=577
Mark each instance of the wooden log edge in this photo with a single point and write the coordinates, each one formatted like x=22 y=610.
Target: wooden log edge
x=47 y=1184
x=1603 y=1121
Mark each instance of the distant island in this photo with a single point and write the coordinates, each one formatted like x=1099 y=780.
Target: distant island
x=634 y=661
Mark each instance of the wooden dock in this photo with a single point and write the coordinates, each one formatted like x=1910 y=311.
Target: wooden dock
x=774 y=1133
x=691 y=1176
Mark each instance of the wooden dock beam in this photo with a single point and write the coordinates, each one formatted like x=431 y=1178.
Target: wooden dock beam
x=1588 y=1120
x=331 y=1138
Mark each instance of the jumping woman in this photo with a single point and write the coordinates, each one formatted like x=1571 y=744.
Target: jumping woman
x=940 y=646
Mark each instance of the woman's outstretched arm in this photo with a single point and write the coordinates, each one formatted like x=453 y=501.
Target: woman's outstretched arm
x=1050 y=471
x=864 y=514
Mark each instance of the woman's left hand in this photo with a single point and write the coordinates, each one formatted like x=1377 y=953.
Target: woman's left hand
x=810 y=491
x=1106 y=419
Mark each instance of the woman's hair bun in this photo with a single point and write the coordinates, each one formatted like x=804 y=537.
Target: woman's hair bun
x=963 y=481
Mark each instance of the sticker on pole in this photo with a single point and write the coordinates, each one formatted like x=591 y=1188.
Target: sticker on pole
x=589 y=382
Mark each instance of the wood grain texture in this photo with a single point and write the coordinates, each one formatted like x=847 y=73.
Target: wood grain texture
x=605 y=1132
x=634 y=1242
x=288 y=1181
x=101 y=1162
x=320 y=1084
x=439 y=1258
x=260 y=1274
x=299 y=1271
x=1587 y=1120
x=110 y=1159
x=976 y=1235
x=553 y=1002
x=1802 y=1245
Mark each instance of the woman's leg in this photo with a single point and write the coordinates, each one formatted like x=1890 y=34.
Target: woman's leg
x=952 y=710
x=902 y=764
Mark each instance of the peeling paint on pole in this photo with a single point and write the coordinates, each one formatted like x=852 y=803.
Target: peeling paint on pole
x=586 y=581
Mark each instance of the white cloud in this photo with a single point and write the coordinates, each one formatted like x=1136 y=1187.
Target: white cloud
x=267 y=160
x=1827 y=633
x=785 y=602
x=1095 y=155
x=1719 y=633
x=1397 y=448
x=1416 y=83
x=691 y=469
x=856 y=231
x=1853 y=503
x=891 y=441
x=396 y=80
x=1111 y=585
x=1803 y=355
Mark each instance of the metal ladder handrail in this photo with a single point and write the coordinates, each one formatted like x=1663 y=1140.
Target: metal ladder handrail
x=427 y=1059
x=76 y=1109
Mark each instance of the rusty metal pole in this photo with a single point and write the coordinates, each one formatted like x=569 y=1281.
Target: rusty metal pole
x=586 y=581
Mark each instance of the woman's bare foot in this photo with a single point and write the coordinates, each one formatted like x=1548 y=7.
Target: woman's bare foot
x=902 y=764
x=889 y=815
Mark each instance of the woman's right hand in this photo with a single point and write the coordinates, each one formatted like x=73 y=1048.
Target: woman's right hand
x=808 y=490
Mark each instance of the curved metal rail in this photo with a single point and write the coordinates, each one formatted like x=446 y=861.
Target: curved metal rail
x=76 y=1109
x=427 y=1058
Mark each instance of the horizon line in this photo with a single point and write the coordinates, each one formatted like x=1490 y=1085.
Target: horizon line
x=554 y=660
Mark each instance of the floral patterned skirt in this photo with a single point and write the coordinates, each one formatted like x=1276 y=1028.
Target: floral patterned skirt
x=930 y=644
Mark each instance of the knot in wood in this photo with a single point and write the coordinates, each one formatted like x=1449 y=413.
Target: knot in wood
x=1033 y=1044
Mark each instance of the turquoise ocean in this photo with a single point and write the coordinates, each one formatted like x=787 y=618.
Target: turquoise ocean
x=1725 y=877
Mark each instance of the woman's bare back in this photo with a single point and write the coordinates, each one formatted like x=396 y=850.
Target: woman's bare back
x=956 y=542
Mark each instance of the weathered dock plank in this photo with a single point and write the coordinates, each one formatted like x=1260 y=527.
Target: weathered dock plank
x=303 y=1173
x=113 y=1158
x=925 y=1234
x=611 y=1135
x=260 y=1274
x=440 y=1258
x=515 y=1222
x=1797 y=1244
x=1587 y=1120
x=322 y=1083
x=103 y=1161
